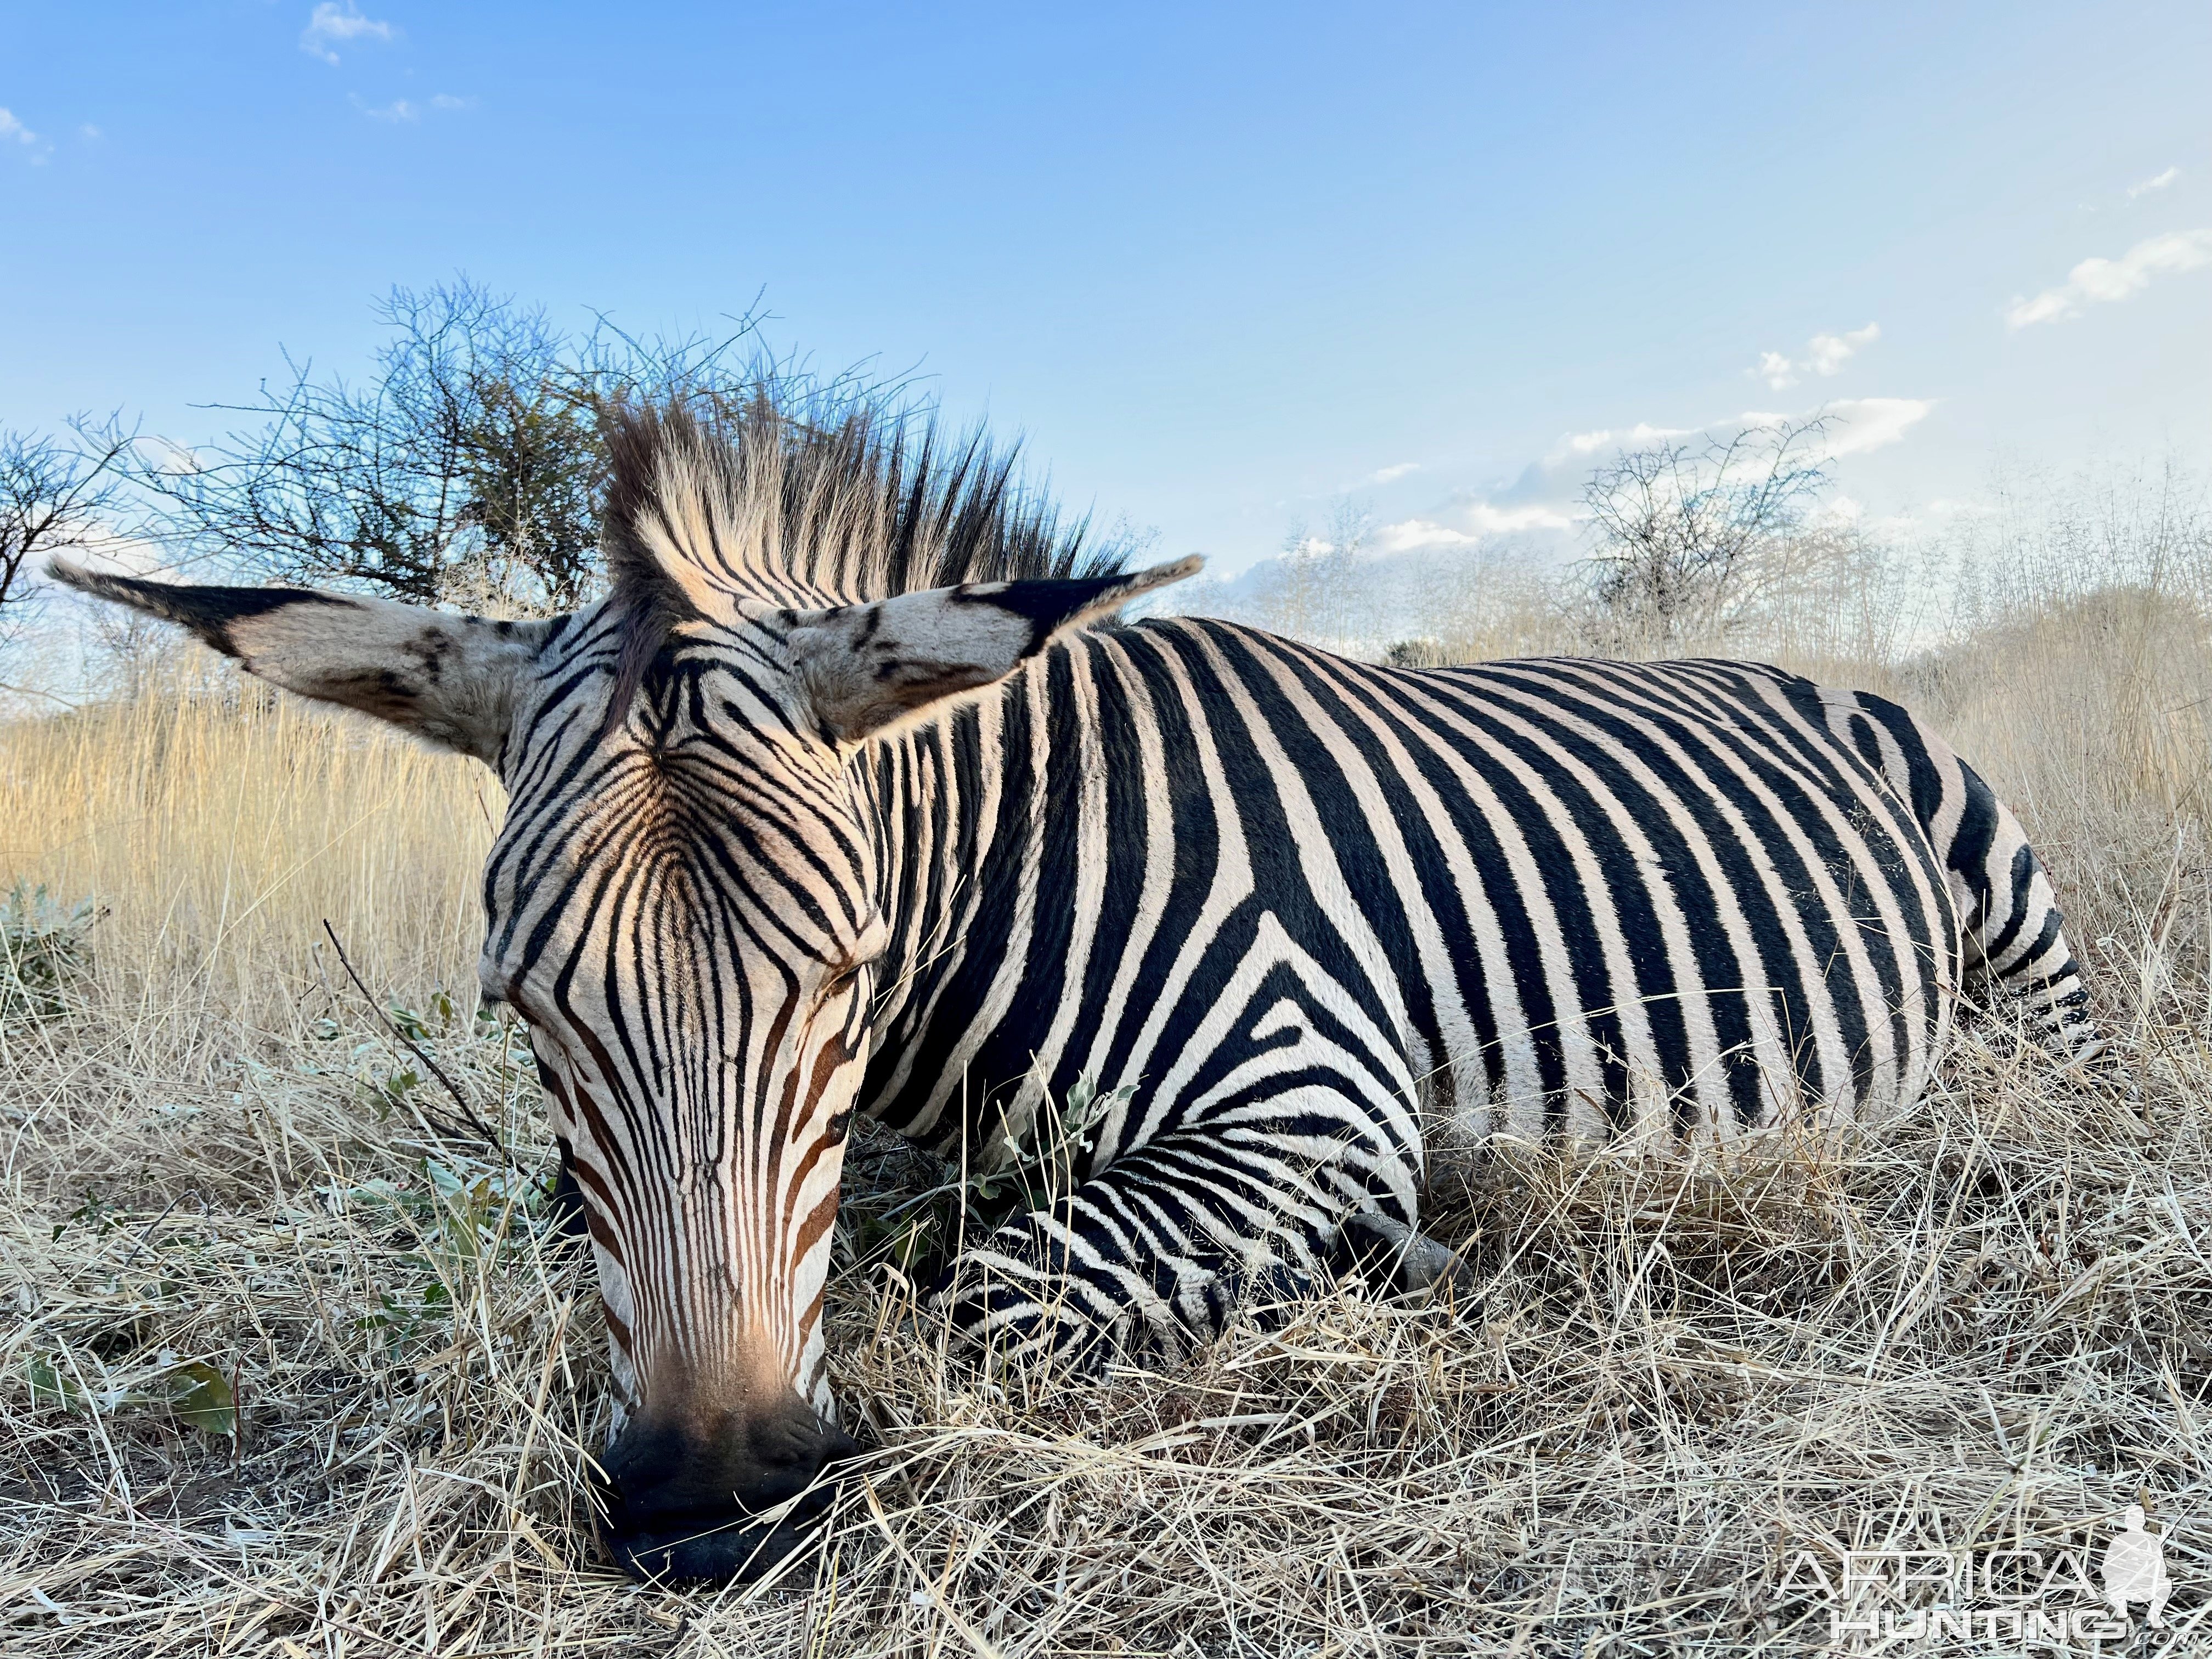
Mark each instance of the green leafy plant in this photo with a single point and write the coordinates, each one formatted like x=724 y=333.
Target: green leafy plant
x=201 y=1395
x=95 y=1212
x=1033 y=1164
x=436 y=1019
x=1031 y=1161
x=461 y=1217
x=197 y=1393
x=44 y=951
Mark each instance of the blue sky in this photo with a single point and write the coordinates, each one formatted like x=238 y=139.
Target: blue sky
x=1218 y=264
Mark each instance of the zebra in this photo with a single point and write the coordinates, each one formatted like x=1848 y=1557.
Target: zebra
x=854 y=794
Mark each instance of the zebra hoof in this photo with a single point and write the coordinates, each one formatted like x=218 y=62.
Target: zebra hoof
x=1410 y=1260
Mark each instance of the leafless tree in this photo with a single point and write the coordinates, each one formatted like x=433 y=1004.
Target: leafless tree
x=468 y=468
x=1315 y=591
x=463 y=468
x=1681 y=528
x=54 y=493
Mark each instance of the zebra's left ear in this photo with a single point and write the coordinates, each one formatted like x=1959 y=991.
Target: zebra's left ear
x=865 y=666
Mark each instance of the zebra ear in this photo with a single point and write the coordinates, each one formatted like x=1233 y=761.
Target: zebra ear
x=448 y=679
x=862 y=668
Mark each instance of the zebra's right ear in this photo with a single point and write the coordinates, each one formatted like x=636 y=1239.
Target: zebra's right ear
x=449 y=680
x=862 y=668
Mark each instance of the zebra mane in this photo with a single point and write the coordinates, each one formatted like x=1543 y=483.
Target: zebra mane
x=775 y=504
x=800 y=507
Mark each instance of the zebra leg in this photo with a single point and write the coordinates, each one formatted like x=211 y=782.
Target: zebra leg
x=1412 y=1260
x=1155 y=1254
x=2009 y=921
x=2015 y=936
x=571 y=1221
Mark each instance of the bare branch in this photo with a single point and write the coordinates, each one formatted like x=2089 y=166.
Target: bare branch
x=1678 y=525
x=468 y=468
x=54 y=494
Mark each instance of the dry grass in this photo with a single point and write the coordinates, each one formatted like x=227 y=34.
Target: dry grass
x=284 y=1372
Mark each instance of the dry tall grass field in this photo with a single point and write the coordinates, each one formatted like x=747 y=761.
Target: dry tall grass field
x=290 y=1366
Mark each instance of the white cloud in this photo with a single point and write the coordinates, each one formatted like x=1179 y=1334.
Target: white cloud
x=13 y=132
x=331 y=25
x=1383 y=475
x=1865 y=423
x=1490 y=521
x=1824 y=354
x=402 y=109
x=1481 y=519
x=91 y=131
x=1859 y=424
x=2159 y=181
x=1856 y=426
x=1409 y=533
x=2102 y=280
x=1776 y=369
x=1830 y=352
x=1639 y=436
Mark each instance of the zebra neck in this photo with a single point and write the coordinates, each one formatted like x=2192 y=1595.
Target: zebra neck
x=960 y=809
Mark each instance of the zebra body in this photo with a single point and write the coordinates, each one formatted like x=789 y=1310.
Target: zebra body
x=1281 y=899
x=835 y=805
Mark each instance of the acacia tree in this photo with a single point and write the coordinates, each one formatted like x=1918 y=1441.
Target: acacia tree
x=1682 y=530
x=468 y=468
x=54 y=493
x=460 y=471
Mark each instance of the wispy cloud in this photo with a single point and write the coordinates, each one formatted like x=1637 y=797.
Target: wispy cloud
x=1857 y=424
x=1542 y=499
x=1865 y=423
x=2157 y=181
x=330 y=26
x=1477 y=519
x=168 y=456
x=1824 y=354
x=1575 y=445
x=23 y=138
x=1383 y=475
x=402 y=109
x=2096 y=282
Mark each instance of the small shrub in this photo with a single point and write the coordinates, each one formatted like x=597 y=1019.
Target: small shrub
x=44 y=951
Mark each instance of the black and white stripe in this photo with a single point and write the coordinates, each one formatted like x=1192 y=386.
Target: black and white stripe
x=1283 y=895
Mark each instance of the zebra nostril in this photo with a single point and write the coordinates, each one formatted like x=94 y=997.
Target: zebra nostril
x=692 y=1504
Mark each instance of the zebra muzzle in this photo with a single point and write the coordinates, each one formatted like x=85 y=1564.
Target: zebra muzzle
x=730 y=1500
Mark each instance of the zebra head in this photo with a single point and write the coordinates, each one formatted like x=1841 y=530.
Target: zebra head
x=687 y=898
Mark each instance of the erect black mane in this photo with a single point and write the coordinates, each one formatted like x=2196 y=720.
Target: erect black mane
x=864 y=504
x=799 y=507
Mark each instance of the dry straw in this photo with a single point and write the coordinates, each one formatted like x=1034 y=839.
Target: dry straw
x=288 y=1369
